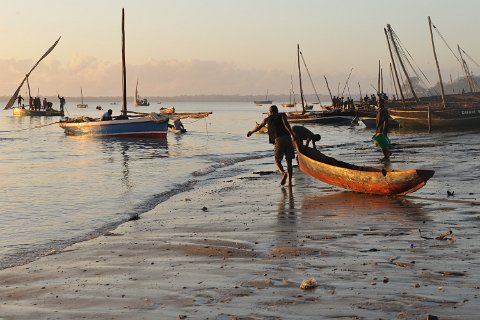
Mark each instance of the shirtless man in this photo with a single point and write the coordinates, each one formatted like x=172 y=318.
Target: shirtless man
x=303 y=133
x=280 y=134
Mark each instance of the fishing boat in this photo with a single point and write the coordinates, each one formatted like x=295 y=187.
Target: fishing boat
x=21 y=109
x=262 y=102
x=360 y=178
x=322 y=117
x=82 y=105
x=437 y=111
x=137 y=101
x=22 y=112
x=433 y=115
x=139 y=125
x=290 y=103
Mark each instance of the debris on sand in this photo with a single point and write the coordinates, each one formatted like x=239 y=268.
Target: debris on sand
x=308 y=283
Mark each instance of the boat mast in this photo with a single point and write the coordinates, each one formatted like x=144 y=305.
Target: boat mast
x=465 y=69
x=310 y=77
x=124 y=70
x=346 y=82
x=394 y=67
x=328 y=87
x=401 y=62
x=378 y=80
x=300 y=78
x=81 y=93
x=393 y=80
x=29 y=92
x=436 y=61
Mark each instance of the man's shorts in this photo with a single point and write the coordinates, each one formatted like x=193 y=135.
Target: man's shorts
x=283 y=147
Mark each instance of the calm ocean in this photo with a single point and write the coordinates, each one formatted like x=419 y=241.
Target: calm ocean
x=57 y=190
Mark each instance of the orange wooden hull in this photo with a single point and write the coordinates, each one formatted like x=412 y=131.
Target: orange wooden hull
x=364 y=179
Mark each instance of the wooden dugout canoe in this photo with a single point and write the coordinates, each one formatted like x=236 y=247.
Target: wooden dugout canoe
x=361 y=179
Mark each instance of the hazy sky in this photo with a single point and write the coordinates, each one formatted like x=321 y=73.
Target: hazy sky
x=178 y=47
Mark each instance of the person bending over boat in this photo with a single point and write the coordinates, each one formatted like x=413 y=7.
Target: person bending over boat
x=382 y=129
x=302 y=134
x=107 y=116
x=280 y=134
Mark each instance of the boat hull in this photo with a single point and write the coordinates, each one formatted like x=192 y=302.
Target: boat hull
x=363 y=179
x=263 y=102
x=20 y=112
x=449 y=118
x=371 y=123
x=322 y=117
x=81 y=105
x=138 y=127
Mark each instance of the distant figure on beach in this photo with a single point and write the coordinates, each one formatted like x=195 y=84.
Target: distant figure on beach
x=107 y=116
x=19 y=100
x=302 y=133
x=382 y=127
x=280 y=134
x=62 y=102
x=45 y=103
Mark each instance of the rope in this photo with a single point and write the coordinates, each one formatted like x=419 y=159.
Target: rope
x=311 y=81
x=478 y=65
x=402 y=50
x=444 y=41
x=36 y=127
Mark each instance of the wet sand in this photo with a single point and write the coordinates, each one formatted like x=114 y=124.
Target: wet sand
x=240 y=250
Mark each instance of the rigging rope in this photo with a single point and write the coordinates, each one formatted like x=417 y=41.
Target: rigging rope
x=478 y=65
x=402 y=48
x=311 y=81
x=36 y=127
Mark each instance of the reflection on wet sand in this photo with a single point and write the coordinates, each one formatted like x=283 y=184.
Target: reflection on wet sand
x=343 y=204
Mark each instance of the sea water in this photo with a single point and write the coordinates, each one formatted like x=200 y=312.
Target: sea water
x=58 y=190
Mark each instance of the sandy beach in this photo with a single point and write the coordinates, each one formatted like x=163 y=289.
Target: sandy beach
x=240 y=249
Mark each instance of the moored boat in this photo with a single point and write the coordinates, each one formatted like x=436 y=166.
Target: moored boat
x=361 y=178
x=150 y=126
x=22 y=112
x=82 y=105
x=140 y=125
x=433 y=116
x=20 y=109
x=322 y=117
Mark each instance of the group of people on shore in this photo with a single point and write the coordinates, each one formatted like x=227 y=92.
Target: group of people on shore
x=342 y=104
x=285 y=138
x=35 y=103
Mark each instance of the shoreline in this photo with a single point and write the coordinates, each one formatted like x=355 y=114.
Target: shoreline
x=246 y=254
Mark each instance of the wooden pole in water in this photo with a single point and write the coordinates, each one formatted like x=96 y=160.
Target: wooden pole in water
x=436 y=61
x=394 y=67
x=124 y=69
x=401 y=63
x=328 y=87
x=300 y=78
x=429 y=119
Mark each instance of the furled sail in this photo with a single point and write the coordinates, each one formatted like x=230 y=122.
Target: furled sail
x=15 y=95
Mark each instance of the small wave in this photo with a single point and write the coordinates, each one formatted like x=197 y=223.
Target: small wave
x=221 y=163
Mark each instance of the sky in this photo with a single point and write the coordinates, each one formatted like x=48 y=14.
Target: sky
x=205 y=47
